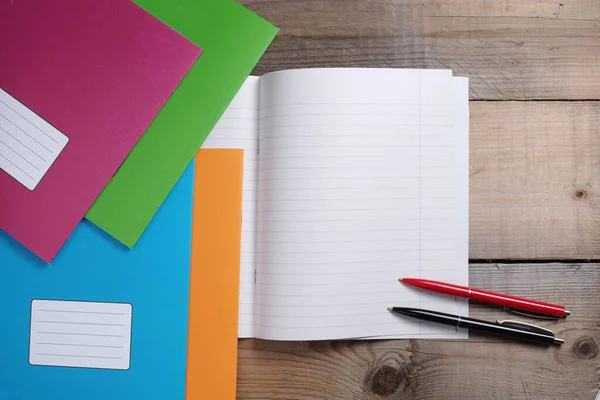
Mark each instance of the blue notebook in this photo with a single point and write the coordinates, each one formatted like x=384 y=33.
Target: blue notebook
x=102 y=321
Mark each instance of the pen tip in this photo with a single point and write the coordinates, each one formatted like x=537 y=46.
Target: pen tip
x=400 y=279
x=558 y=341
x=567 y=312
x=390 y=308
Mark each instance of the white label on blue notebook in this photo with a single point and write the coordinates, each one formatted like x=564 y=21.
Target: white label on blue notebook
x=80 y=334
x=28 y=144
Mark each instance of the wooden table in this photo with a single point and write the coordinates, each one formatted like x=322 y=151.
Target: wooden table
x=534 y=68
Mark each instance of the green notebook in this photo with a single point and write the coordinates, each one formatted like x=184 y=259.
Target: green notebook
x=233 y=39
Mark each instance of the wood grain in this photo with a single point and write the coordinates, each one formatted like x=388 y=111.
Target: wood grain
x=478 y=368
x=535 y=180
x=533 y=49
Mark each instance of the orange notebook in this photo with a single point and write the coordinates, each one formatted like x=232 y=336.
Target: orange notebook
x=215 y=275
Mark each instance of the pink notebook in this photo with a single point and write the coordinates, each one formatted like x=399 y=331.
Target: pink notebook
x=80 y=81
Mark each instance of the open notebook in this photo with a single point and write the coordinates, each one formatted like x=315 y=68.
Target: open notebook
x=352 y=179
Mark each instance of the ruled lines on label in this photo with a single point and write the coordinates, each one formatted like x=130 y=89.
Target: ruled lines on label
x=28 y=144
x=80 y=334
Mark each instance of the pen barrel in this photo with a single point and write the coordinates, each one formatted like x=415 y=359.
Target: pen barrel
x=484 y=296
x=498 y=329
x=517 y=303
x=530 y=333
x=439 y=287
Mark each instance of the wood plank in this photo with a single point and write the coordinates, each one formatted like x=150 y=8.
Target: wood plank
x=534 y=180
x=478 y=368
x=530 y=49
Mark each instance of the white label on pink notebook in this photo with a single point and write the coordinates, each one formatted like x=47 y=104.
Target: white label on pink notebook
x=28 y=144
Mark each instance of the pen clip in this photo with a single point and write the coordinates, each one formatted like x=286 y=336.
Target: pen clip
x=525 y=326
x=531 y=314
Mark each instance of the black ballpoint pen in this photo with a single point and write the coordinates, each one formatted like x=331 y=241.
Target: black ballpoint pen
x=514 y=329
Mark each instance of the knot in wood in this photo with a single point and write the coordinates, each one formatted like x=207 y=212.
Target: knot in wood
x=386 y=380
x=580 y=194
x=585 y=348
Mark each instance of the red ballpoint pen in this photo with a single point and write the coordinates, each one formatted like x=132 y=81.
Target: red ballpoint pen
x=512 y=302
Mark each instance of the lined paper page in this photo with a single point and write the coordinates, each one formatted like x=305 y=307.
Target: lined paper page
x=357 y=187
x=238 y=129
x=80 y=334
x=461 y=117
x=461 y=122
x=28 y=144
